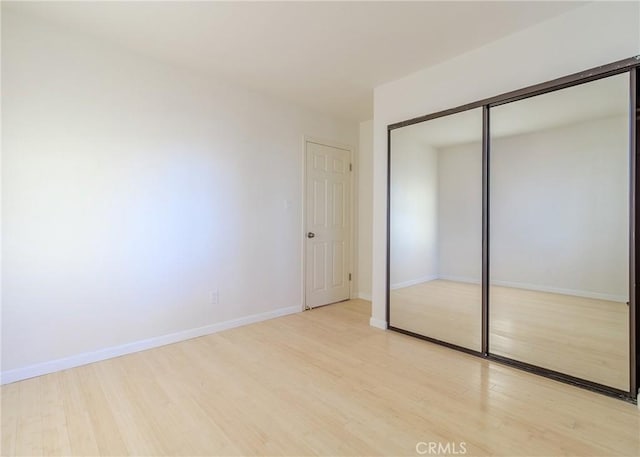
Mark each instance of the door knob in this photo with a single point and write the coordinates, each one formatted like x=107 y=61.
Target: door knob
x=311 y=235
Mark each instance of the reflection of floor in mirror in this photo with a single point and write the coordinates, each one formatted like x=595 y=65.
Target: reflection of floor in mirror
x=583 y=337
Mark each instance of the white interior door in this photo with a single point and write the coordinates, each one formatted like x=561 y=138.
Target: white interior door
x=328 y=224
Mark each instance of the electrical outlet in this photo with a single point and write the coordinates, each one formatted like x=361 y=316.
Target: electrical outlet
x=213 y=297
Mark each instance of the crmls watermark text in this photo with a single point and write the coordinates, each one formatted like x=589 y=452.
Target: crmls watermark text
x=439 y=448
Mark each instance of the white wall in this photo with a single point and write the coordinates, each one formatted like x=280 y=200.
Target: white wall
x=365 y=209
x=567 y=236
x=460 y=212
x=571 y=234
x=132 y=189
x=414 y=221
x=595 y=34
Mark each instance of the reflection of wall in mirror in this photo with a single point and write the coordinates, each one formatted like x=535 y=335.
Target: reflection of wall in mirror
x=559 y=210
x=414 y=211
x=460 y=212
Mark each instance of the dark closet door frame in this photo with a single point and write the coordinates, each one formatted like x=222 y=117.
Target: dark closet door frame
x=631 y=66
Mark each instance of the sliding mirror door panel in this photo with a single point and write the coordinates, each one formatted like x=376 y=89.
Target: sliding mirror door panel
x=435 y=215
x=559 y=231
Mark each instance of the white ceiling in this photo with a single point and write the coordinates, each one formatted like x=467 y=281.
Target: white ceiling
x=598 y=99
x=327 y=56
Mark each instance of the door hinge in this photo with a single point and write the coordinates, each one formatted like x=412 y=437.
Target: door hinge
x=349 y=276
x=350 y=167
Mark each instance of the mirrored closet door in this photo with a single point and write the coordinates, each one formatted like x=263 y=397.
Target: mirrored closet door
x=559 y=231
x=514 y=232
x=435 y=233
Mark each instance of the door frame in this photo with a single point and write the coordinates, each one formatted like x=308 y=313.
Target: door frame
x=332 y=144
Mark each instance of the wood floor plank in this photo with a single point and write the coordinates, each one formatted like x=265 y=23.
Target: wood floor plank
x=10 y=404
x=322 y=382
x=29 y=431
x=78 y=421
x=55 y=439
x=584 y=337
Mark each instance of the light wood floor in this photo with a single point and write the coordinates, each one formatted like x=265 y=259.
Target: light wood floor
x=445 y=310
x=320 y=382
x=583 y=337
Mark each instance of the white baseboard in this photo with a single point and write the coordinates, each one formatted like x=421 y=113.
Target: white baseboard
x=52 y=366
x=364 y=296
x=413 y=282
x=378 y=323
x=542 y=288
x=459 y=279
x=558 y=290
